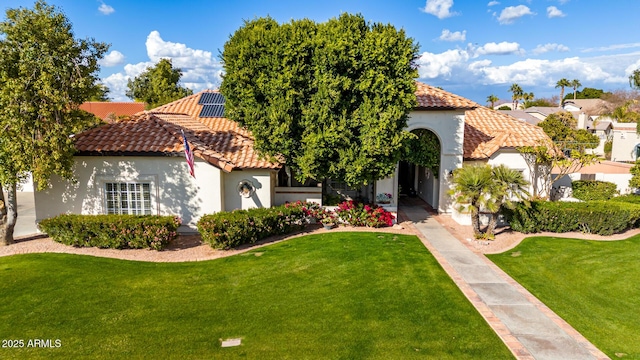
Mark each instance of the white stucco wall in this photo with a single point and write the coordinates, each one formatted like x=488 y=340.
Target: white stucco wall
x=449 y=127
x=292 y=194
x=621 y=181
x=262 y=181
x=173 y=190
x=624 y=142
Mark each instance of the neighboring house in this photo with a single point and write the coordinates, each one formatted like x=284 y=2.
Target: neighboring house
x=138 y=165
x=111 y=111
x=522 y=115
x=626 y=142
x=611 y=171
x=604 y=130
x=507 y=103
x=587 y=106
x=541 y=112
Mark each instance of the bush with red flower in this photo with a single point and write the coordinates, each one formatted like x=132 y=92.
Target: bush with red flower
x=358 y=214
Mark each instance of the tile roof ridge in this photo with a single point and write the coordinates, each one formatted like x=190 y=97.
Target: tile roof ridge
x=199 y=147
x=469 y=104
x=175 y=102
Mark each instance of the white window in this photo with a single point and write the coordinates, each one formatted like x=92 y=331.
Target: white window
x=128 y=198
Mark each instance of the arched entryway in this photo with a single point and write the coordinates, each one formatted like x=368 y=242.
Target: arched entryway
x=419 y=171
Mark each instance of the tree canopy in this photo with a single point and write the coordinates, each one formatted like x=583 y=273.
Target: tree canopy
x=45 y=74
x=331 y=98
x=561 y=129
x=158 y=85
x=586 y=93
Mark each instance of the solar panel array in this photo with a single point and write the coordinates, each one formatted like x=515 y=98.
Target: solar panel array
x=212 y=104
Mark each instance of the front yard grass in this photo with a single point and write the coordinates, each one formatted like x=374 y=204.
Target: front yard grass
x=593 y=285
x=326 y=296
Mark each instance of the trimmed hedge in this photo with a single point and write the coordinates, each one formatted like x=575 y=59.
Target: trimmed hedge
x=112 y=231
x=595 y=217
x=630 y=198
x=593 y=190
x=226 y=230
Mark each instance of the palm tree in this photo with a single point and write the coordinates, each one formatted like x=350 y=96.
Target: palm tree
x=562 y=83
x=516 y=94
x=634 y=79
x=576 y=84
x=471 y=185
x=492 y=100
x=509 y=186
x=624 y=113
x=527 y=97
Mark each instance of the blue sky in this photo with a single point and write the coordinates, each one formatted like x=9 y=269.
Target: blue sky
x=471 y=48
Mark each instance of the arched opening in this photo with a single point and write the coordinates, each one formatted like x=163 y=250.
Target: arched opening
x=419 y=171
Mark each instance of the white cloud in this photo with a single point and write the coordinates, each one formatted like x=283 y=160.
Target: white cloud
x=200 y=70
x=439 y=8
x=106 y=9
x=441 y=65
x=612 y=47
x=541 y=49
x=453 y=36
x=114 y=58
x=554 y=12
x=512 y=13
x=492 y=3
x=503 y=48
x=466 y=68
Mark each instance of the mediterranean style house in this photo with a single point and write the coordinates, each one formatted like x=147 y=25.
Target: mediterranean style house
x=137 y=165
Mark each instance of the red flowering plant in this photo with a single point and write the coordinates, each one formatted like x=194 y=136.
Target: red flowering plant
x=310 y=209
x=327 y=217
x=358 y=214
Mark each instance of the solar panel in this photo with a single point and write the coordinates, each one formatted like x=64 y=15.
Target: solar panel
x=212 y=111
x=211 y=98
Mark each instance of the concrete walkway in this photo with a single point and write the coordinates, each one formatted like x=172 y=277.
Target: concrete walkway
x=529 y=328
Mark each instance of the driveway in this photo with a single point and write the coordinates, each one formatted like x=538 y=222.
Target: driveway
x=26 y=224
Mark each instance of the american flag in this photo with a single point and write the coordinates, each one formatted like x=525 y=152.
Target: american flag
x=188 y=154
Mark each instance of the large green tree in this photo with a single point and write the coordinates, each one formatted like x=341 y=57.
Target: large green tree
x=331 y=98
x=157 y=85
x=561 y=129
x=587 y=93
x=45 y=74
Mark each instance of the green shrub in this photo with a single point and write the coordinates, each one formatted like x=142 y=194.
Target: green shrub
x=226 y=230
x=596 y=217
x=112 y=231
x=630 y=198
x=593 y=190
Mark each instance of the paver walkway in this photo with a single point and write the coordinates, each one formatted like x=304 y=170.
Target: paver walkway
x=529 y=328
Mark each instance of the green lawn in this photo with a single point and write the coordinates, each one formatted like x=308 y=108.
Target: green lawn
x=594 y=286
x=328 y=296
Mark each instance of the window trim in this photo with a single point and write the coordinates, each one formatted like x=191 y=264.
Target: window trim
x=133 y=193
x=152 y=180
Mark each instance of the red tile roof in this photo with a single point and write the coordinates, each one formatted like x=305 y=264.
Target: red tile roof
x=486 y=131
x=432 y=98
x=219 y=141
x=108 y=110
x=222 y=143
